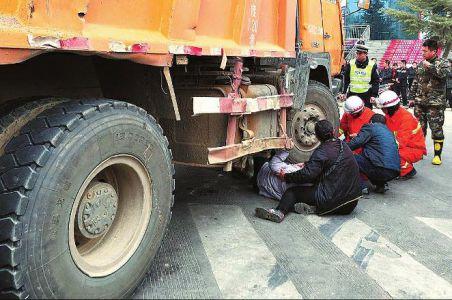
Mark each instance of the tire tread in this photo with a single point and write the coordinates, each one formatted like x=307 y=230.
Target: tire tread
x=25 y=155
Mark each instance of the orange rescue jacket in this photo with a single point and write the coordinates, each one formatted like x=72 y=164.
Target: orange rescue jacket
x=350 y=125
x=407 y=130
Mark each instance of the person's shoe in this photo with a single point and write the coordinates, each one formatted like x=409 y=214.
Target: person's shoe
x=409 y=175
x=365 y=191
x=270 y=214
x=304 y=209
x=436 y=160
x=380 y=189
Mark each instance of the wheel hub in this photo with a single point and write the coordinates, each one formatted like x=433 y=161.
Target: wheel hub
x=310 y=127
x=304 y=126
x=97 y=210
x=110 y=215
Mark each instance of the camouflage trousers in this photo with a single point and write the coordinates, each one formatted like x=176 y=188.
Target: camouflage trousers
x=433 y=117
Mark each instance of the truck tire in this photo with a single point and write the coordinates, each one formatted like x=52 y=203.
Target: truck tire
x=13 y=121
x=319 y=104
x=85 y=198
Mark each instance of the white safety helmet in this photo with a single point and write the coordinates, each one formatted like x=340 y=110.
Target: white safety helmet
x=388 y=99
x=353 y=105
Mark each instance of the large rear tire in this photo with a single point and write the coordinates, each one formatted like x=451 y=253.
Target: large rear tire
x=12 y=122
x=320 y=104
x=85 y=199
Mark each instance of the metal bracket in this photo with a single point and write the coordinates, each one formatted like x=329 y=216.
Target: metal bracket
x=169 y=81
x=230 y=152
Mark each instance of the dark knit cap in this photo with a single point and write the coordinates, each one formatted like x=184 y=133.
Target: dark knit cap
x=378 y=118
x=324 y=130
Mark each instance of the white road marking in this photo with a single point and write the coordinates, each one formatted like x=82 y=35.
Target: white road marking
x=392 y=268
x=442 y=225
x=242 y=264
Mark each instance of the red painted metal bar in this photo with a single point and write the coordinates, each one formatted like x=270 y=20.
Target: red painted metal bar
x=239 y=106
x=232 y=122
x=283 y=111
x=228 y=153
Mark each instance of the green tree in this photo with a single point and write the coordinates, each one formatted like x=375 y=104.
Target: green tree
x=432 y=17
x=378 y=21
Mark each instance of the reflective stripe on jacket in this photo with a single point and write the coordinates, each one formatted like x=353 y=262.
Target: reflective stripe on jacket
x=360 y=78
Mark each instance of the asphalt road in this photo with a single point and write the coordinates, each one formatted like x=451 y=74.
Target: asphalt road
x=397 y=245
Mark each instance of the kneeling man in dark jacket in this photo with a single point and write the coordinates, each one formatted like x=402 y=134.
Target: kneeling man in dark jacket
x=379 y=160
x=334 y=175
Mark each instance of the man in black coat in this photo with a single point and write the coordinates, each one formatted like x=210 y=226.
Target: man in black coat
x=386 y=73
x=402 y=82
x=334 y=175
x=379 y=160
x=411 y=74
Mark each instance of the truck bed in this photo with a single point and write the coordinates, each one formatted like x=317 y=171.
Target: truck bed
x=148 y=31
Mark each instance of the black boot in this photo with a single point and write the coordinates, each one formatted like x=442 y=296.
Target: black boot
x=380 y=189
x=409 y=175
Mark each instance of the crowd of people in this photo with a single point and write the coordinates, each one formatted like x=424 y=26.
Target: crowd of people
x=369 y=149
x=398 y=78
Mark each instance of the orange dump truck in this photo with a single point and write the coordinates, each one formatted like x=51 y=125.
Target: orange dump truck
x=95 y=93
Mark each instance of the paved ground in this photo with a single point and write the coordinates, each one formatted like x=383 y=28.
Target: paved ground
x=398 y=245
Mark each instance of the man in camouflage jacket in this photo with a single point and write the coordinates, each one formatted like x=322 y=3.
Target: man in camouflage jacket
x=428 y=94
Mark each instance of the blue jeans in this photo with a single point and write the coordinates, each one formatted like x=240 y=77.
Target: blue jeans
x=377 y=175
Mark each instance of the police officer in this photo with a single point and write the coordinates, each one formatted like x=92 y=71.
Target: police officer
x=428 y=94
x=361 y=77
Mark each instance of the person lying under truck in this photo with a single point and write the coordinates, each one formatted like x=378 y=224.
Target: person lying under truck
x=334 y=173
x=379 y=160
x=268 y=181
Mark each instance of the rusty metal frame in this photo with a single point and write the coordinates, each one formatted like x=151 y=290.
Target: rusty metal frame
x=232 y=122
x=228 y=153
x=232 y=151
x=283 y=111
x=240 y=106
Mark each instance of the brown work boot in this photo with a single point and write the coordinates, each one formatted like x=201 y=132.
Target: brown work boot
x=270 y=214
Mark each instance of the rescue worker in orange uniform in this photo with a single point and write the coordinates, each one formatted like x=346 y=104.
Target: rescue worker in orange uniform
x=407 y=130
x=355 y=116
